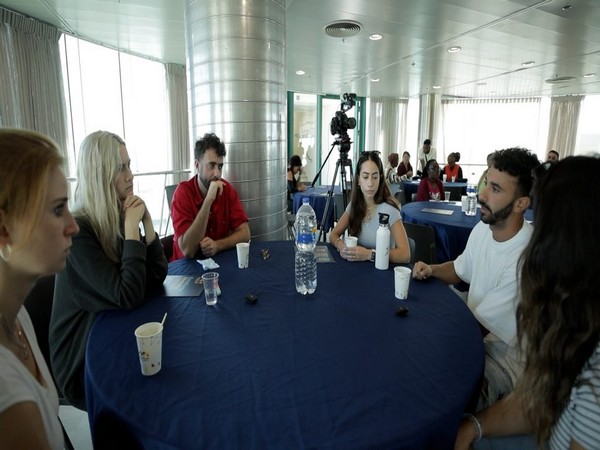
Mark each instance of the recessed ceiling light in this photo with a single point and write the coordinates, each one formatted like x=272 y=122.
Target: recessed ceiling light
x=436 y=86
x=376 y=37
x=589 y=75
x=454 y=49
x=528 y=63
x=300 y=72
x=374 y=80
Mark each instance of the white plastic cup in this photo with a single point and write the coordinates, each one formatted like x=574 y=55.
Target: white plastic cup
x=444 y=176
x=243 y=254
x=447 y=195
x=149 y=344
x=401 y=281
x=454 y=178
x=351 y=241
x=211 y=286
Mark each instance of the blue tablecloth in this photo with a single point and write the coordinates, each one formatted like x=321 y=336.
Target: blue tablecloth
x=410 y=187
x=451 y=231
x=318 y=199
x=335 y=370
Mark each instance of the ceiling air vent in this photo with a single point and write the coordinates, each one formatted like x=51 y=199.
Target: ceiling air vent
x=343 y=28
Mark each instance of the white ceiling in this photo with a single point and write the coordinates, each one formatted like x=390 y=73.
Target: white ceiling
x=496 y=37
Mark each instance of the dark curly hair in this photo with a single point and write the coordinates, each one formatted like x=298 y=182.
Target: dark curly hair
x=209 y=140
x=517 y=162
x=558 y=318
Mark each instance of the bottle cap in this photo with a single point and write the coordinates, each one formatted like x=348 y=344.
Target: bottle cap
x=384 y=219
x=305 y=200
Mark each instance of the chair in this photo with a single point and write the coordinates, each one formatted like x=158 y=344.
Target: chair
x=455 y=193
x=169 y=191
x=400 y=197
x=424 y=237
x=412 y=247
x=167 y=243
x=39 y=306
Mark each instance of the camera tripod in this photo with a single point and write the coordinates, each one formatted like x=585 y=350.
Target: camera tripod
x=340 y=166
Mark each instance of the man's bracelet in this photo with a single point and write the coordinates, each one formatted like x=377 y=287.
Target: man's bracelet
x=476 y=424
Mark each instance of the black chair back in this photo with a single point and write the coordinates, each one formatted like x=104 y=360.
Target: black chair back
x=424 y=237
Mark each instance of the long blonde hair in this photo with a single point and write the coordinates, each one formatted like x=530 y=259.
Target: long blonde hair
x=96 y=199
x=26 y=160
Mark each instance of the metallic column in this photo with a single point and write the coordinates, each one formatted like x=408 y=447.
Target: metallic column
x=237 y=89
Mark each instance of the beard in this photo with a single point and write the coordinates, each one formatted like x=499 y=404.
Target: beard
x=206 y=181
x=497 y=216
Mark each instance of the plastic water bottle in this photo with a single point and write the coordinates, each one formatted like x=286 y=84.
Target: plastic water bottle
x=306 y=240
x=471 y=200
x=382 y=243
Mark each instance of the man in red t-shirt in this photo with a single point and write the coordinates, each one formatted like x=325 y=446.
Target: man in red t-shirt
x=206 y=210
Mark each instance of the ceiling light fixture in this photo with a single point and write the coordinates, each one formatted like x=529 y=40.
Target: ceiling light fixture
x=374 y=80
x=589 y=75
x=376 y=37
x=454 y=49
x=556 y=80
x=436 y=86
x=528 y=63
x=300 y=72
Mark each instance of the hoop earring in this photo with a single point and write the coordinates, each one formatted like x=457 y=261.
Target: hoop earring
x=6 y=252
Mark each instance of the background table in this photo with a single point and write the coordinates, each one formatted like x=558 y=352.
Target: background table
x=318 y=198
x=335 y=370
x=451 y=231
x=411 y=186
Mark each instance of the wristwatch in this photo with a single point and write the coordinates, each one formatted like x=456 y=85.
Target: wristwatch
x=372 y=255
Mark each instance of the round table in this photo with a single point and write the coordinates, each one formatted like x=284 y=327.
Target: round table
x=335 y=370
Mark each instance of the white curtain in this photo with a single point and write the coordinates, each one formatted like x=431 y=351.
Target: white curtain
x=386 y=130
x=564 y=120
x=178 y=113
x=31 y=85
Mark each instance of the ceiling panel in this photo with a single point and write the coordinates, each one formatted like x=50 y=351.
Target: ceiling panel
x=496 y=37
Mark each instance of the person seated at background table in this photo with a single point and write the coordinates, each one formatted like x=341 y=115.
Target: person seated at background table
x=111 y=266
x=452 y=170
x=430 y=187
x=293 y=183
x=361 y=217
x=489 y=265
x=426 y=153
x=557 y=397
x=208 y=216
x=405 y=170
x=552 y=156
x=481 y=182
x=36 y=228
x=391 y=175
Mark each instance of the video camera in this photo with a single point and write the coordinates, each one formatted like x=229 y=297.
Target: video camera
x=340 y=123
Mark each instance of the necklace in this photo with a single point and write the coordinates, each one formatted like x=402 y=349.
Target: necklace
x=370 y=211
x=20 y=339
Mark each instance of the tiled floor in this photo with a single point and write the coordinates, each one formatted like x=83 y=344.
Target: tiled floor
x=77 y=426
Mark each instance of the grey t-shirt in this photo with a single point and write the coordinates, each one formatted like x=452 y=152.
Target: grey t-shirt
x=368 y=234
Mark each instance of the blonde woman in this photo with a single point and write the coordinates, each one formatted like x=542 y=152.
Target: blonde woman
x=36 y=228
x=111 y=265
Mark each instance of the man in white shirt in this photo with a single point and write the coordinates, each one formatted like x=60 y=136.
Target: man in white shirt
x=490 y=265
x=426 y=153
